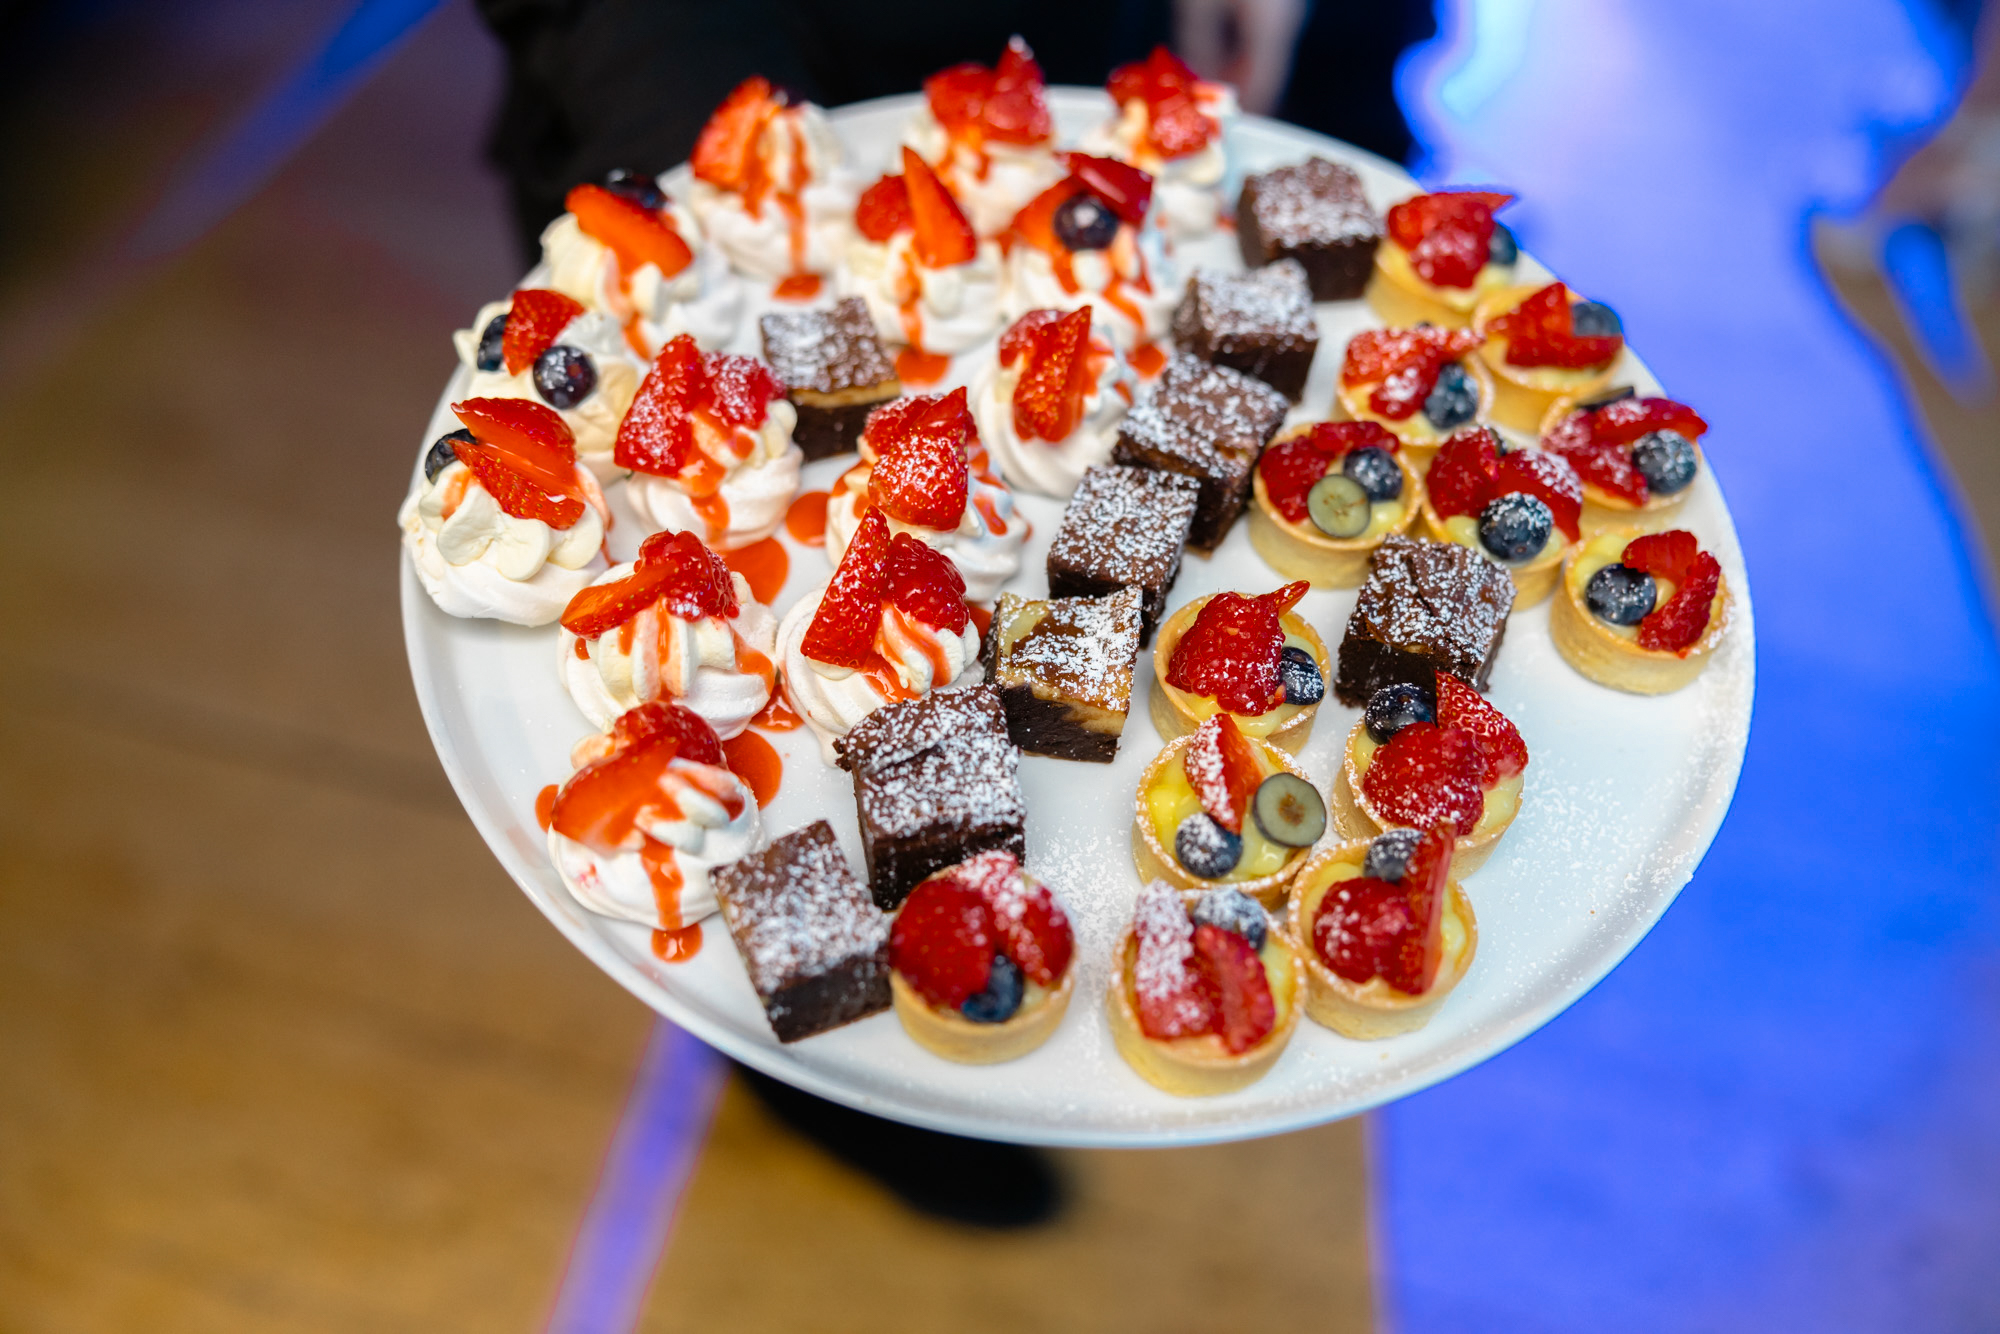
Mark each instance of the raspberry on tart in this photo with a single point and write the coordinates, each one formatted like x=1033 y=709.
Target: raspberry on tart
x=1204 y=990
x=1385 y=931
x=932 y=286
x=1443 y=251
x=1219 y=807
x=1421 y=756
x=1422 y=384
x=981 y=953
x=1542 y=344
x=1640 y=612
x=769 y=188
x=1171 y=124
x=1089 y=240
x=1253 y=658
x=1325 y=496
x=1634 y=455
x=988 y=134
x=1519 y=508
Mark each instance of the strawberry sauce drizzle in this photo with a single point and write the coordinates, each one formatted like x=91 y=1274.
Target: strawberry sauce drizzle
x=798 y=287
x=756 y=762
x=678 y=945
x=778 y=715
x=764 y=565
x=914 y=366
x=545 y=803
x=806 y=519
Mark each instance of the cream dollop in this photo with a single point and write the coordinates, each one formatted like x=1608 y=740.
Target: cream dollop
x=480 y=561
x=1129 y=287
x=755 y=492
x=986 y=547
x=594 y=419
x=992 y=182
x=1053 y=468
x=1187 y=189
x=705 y=299
x=947 y=310
x=796 y=142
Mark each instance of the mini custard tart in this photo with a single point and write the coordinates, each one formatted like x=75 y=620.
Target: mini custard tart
x=1637 y=457
x=1442 y=253
x=980 y=955
x=932 y=286
x=924 y=469
x=1385 y=932
x=1090 y=240
x=676 y=625
x=542 y=346
x=503 y=521
x=1249 y=657
x=1518 y=509
x=770 y=189
x=628 y=249
x=1217 y=808
x=1421 y=384
x=651 y=809
x=988 y=135
x=1640 y=612
x=1173 y=126
x=1049 y=404
x=1543 y=344
x=890 y=625
x=709 y=444
x=1325 y=496
x=1419 y=757
x=1205 y=990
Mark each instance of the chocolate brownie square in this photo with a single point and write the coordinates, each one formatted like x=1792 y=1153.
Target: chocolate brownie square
x=1260 y=323
x=1317 y=214
x=1063 y=667
x=1124 y=528
x=835 y=372
x=815 y=945
x=1205 y=422
x=1427 y=606
x=936 y=779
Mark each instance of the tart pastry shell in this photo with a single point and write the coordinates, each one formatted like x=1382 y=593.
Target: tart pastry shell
x=956 y=1038
x=1610 y=659
x=1534 y=580
x=1301 y=551
x=1351 y=814
x=1519 y=402
x=1172 y=716
x=1155 y=862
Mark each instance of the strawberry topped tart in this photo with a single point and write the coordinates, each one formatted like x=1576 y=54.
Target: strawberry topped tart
x=931 y=284
x=651 y=808
x=770 y=190
x=1520 y=508
x=1089 y=239
x=628 y=250
x=545 y=346
x=1251 y=657
x=923 y=468
x=1542 y=344
x=1050 y=404
x=988 y=135
x=1172 y=126
x=709 y=443
x=1422 y=384
x=676 y=624
x=1635 y=455
x=1442 y=253
x=890 y=625
x=1217 y=806
x=1325 y=495
x=503 y=522
x=1640 y=612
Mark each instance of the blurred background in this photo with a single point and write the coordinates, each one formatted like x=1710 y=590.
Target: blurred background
x=282 y=1048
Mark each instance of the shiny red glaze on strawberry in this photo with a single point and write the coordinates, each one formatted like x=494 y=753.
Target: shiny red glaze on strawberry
x=942 y=942
x=1541 y=332
x=513 y=492
x=1176 y=123
x=1402 y=364
x=924 y=584
x=1667 y=555
x=1230 y=653
x=1425 y=774
x=922 y=480
x=597 y=806
x=696 y=739
x=525 y=456
x=1460 y=706
x=884 y=210
x=657 y=434
x=1048 y=398
x=674 y=572
x=1549 y=477
x=1461 y=477
x=1125 y=190
x=1291 y=466
x=1246 y=1012
x=634 y=233
x=1597 y=443
x=1221 y=765
x=1021 y=335
x=1028 y=923
x=1176 y=997
x=1679 y=623
x=1367 y=928
x=940 y=235
x=1004 y=103
x=842 y=633
x=740 y=390
x=947 y=416
x=533 y=321
x=602 y=607
x=1624 y=421
x=726 y=152
x=1447 y=235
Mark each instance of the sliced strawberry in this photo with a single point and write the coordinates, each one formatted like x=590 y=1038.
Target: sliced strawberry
x=1425 y=774
x=1402 y=364
x=657 y=435
x=740 y=389
x=1021 y=335
x=1290 y=467
x=957 y=95
x=1029 y=924
x=1676 y=627
x=698 y=583
x=1426 y=880
x=1035 y=224
x=1627 y=419
x=1048 y=400
x=726 y=153
x=947 y=416
x=525 y=457
x=1460 y=706
x=636 y=234
x=1125 y=189
x=1175 y=998
x=884 y=210
x=842 y=633
x=1367 y=928
x=601 y=803
x=1447 y=234
x=923 y=583
x=513 y=492
x=1667 y=555
x=1246 y=1012
x=1016 y=111
x=601 y=607
x=920 y=475
x=1548 y=476
x=1541 y=332
x=533 y=322
x=1461 y=477
x=942 y=942
x=696 y=739
x=941 y=237
x=1176 y=123
x=1600 y=463
x=1230 y=654
x=1221 y=765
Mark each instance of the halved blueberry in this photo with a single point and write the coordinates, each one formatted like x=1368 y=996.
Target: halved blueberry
x=1205 y=848
x=1289 y=810
x=1375 y=469
x=636 y=186
x=489 y=357
x=1394 y=707
x=1665 y=459
x=1503 y=248
x=1389 y=855
x=1002 y=997
x=1233 y=911
x=441 y=455
x=1454 y=400
x=564 y=376
x=1085 y=222
x=1594 y=319
x=1300 y=676
x=1621 y=595
x=1338 y=506
x=1515 y=526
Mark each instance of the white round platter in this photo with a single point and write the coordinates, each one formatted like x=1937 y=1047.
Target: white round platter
x=1623 y=796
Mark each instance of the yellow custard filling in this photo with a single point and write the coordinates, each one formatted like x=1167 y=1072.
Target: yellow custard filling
x=1312 y=894
x=1464 y=530
x=1394 y=261
x=1172 y=800
x=1202 y=708
x=1415 y=429
x=1549 y=379
x=1609 y=549
x=1503 y=799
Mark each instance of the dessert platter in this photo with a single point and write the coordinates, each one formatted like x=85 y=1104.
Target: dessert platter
x=1074 y=616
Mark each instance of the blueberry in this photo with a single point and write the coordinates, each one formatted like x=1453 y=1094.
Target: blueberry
x=1622 y=392
x=1375 y=469
x=1621 y=595
x=1665 y=459
x=1515 y=526
x=1503 y=248
x=1300 y=676
x=636 y=186
x=1389 y=855
x=1394 y=707
x=1084 y=222
x=1233 y=911
x=1205 y=848
x=1002 y=996
x=1338 y=506
x=489 y=356
x=564 y=376
x=1594 y=319
x=1454 y=400
x=1289 y=810
x=442 y=455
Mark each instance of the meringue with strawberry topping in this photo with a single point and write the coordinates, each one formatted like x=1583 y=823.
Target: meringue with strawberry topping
x=650 y=810
x=930 y=283
x=924 y=469
x=769 y=187
x=988 y=135
x=630 y=250
x=709 y=443
x=890 y=625
x=676 y=624
x=1089 y=240
x=1049 y=405
x=1171 y=125
x=504 y=522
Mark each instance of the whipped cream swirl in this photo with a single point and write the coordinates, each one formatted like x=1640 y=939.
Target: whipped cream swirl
x=992 y=181
x=1187 y=191
x=985 y=546
x=1129 y=287
x=1053 y=468
x=797 y=144
x=594 y=419
x=755 y=491
x=477 y=560
x=704 y=299
x=947 y=310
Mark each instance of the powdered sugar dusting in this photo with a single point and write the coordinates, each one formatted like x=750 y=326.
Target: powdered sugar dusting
x=1082 y=648
x=1163 y=973
x=1314 y=203
x=797 y=909
x=943 y=763
x=1274 y=301
x=1126 y=525
x=826 y=351
x=1439 y=597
